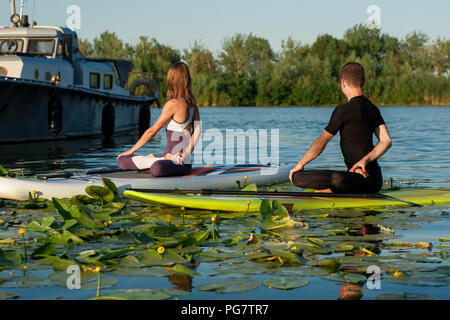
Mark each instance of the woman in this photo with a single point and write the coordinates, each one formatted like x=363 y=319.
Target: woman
x=182 y=118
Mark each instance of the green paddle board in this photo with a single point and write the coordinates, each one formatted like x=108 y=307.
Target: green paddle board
x=423 y=197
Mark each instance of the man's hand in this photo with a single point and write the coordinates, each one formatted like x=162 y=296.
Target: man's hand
x=299 y=167
x=126 y=153
x=360 y=168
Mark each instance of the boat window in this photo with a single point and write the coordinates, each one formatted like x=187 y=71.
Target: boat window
x=10 y=46
x=94 y=80
x=108 y=82
x=41 y=46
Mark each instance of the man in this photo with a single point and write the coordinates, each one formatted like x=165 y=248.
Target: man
x=356 y=121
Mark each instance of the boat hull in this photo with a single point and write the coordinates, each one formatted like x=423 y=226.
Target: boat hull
x=37 y=111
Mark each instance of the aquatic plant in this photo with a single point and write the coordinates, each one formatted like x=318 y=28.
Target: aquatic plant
x=110 y=238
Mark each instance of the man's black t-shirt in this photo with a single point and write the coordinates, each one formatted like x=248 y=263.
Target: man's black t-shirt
x=356 y=121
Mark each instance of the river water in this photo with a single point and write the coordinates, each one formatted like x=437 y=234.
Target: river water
x=420 y=157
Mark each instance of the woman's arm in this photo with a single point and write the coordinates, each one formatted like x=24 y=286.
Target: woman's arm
x=195 y=135
x=165 y=116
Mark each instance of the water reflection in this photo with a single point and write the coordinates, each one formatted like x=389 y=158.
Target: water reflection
x=350 y=291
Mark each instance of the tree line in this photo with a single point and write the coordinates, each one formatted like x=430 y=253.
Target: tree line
x=248 y=72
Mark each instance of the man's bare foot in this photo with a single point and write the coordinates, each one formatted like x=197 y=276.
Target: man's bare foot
x=324 y=191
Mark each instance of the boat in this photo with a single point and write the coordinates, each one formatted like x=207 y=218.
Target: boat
x=67 y=185
x=225 y=201
x=49 y=90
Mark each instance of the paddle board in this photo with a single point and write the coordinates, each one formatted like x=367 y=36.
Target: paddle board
x=200 y=178
x=293 y=204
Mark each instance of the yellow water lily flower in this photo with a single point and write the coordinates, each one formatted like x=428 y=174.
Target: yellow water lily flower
x=246 y=178
x=97 y=269
x=33 y=192
x=161 y=250
x=249 y=202
x=398 y=274
x=213 y=218
x=22 y=231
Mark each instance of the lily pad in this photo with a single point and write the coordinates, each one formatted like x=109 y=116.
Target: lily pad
x=135 y=294
x=88 y=280
x=346 y=277
x=82 y=200
x=102 y=194
x=285 y=284
x=405 y=296
x=9 y=258
x=114 y=254
x=280 y=257
x=141 y=272
x=47 y=249
x=215 y=255
x=230 y=286
x=168 y=258
x=183 y=270
x=26 y=281
x=65 y=238
x=110 y=186
x=7 y=295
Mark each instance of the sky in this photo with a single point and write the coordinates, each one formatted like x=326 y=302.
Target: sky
x=179 y=23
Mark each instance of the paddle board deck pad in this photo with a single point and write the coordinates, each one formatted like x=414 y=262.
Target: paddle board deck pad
x=201 y=178
x=293 y=204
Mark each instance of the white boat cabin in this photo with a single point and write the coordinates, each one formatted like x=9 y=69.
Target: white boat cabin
x=51 y=54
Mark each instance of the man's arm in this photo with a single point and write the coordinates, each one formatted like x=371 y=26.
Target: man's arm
x=384 y=144
x=314 y=151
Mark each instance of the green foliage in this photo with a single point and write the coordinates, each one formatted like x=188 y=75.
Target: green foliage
x=285 y=284
x=104 y=195
x=5 y=173
x=200 y=60
x=247 y=72
x=149 y=241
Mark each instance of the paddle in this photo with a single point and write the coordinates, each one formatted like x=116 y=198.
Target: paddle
x=55 y=176
x=275 y=194
x=68 y=175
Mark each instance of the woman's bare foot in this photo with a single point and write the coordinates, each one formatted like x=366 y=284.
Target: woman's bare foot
x=324 y=191
x=151 y=156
